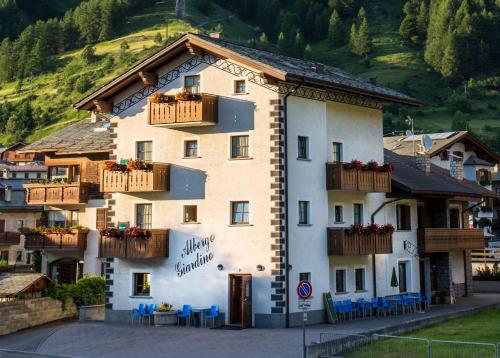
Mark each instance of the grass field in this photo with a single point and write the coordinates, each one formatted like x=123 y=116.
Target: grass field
x=483 y=327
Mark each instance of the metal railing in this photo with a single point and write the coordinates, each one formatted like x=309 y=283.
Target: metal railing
x=387 y=346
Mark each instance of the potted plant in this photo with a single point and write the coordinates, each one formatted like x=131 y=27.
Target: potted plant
x=136 y=232
x=165 y=315
x=160 y=98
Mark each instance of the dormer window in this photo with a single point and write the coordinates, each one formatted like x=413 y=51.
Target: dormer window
x=483 y=176
x=192 y=84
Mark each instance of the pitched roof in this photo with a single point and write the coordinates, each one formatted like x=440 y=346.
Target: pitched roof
x=13 y=284
x=282 y=68
x=407 y=177
x=84 y=136
x=407 y=145
x=28 y=167
x=477 y=161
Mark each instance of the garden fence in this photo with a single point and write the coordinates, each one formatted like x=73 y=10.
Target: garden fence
x=386 y=346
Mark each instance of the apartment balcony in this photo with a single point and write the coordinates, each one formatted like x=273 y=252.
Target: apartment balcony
x=76 y=240
x=56 y=193
x=10 y=238
x=138 y=181
x=342 y=243
x=202 y=111
x=156 y=245
x=449 y=239
x=338 y=177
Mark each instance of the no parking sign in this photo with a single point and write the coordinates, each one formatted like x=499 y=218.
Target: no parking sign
x=304 y=290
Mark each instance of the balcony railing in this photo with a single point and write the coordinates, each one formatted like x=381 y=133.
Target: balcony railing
x=157 y=179
x=449 y=239
x=342 y=243
x=56 y=193
x=340 y=178
x=154 y=246
x=10 y=238
x=199 y=112
x=76 y=240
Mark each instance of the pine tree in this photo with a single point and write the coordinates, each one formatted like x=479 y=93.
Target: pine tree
x=308 y=54
x=422 y=21
x=7 y=61
x=281 y=42
x=408 y=27
x=88 y=54
x=336 y=33
x=264 y=42
x=361 y=43
x=298 y=46
x=449 y=65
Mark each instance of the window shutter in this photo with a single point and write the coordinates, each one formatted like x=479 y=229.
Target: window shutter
x=407 y=217
x=101 y=218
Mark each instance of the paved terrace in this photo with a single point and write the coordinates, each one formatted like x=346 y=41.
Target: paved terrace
x=94 y=339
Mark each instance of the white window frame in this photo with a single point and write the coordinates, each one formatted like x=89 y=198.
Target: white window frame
x=234 y=86
x=364 y=279
x=341 y=150
x=132 y=288
x=230 y=212
x=153 y=151
x=183 y=148
x=229 y=147
x=346 y=280
x=409 y=268
x=183 y=78
x=134 y=212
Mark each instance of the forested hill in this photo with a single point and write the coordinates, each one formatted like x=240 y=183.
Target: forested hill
x=444 y=52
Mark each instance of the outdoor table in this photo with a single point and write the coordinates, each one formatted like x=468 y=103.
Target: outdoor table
x=201 y=311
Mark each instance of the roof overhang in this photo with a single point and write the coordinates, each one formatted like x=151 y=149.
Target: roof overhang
x=196 y=45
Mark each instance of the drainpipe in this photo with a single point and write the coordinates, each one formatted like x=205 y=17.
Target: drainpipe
x=374 y=267
x=285 y=160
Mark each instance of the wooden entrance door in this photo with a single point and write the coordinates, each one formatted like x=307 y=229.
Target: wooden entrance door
x=240 y=300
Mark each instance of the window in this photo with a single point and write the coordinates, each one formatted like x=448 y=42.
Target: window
x=303 y=212
x=239 y=146
x=29 y=258
x=19 y=224
x=444 y=155
x=359 y=275
x=305 y=276
x=38 y=175
x=144 y=151
x=239 y=87
x=403 y=217
x=191 y=149
x=340 y=281
x=57 y=218
x=455 y=218
x=26 y=175
x=339 y=214
x=144 y=216
x=239 y=212
x=483 y=176
x=190 y=213
x=458 y=153
x=303 y=147
x=19 y=256
x=101 y=218
x=336 y=152
x=58 y=172
x=403 y=283
x=141 y=284
x=4 y=255
x=14 y=175
x=2 y=225
x=357 y=214
x=192 y=84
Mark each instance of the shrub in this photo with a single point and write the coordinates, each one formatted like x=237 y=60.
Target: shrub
x=457 y=102
x=3 y=262
x=488 y=274
x=88 y=290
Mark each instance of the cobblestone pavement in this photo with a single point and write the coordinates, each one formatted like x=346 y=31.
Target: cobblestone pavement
x=97 y=339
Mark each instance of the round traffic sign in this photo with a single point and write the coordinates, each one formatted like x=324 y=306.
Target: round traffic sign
x=304 y=290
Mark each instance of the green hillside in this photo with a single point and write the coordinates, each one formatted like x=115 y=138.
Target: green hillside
x=393 y=62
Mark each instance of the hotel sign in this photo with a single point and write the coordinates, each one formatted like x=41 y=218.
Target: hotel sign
x=195 y=254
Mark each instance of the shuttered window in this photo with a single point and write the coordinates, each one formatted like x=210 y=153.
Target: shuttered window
x=2 y=225
x=403 y=217
x=101 y=218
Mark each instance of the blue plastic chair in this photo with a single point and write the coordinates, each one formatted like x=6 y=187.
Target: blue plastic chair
x=374 y=306
x=339 y=308
x=185 y=313
x=138 y=312
x=151 y=311
x=421 y=300
x=212 y=314
x=386 y=305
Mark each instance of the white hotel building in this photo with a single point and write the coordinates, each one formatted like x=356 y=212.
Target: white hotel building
x=241 y=203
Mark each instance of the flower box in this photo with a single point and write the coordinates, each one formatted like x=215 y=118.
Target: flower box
x=165 y=318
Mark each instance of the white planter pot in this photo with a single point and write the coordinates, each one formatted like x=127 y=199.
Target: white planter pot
x=165 y=318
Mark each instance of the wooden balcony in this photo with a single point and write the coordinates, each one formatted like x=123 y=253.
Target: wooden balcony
x=201 y=112
x=340 y=178
x=76 y=240
x=56 y=193
x=138 y=181
x=449 y=239
x=10 y=238
x=155 y=246
x=341 y=243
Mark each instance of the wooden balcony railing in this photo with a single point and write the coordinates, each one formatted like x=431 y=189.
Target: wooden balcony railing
x=157 y=179
x=154 y=246
x=341 y=243
x=56 y=193
x=449 y=239
x=76 y=240
x=340 y=178
x=10 y=238
x=203 y=111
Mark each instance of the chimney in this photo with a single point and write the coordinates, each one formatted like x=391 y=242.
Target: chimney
x=424 y=162
x=456 y=168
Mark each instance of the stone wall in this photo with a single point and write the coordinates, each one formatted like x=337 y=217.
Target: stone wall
x=17 y=315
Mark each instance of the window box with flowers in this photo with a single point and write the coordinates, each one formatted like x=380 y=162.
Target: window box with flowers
x=165 y=315
x=134 y=243
x=360 y=240
x=135 y=176
x=356 y=176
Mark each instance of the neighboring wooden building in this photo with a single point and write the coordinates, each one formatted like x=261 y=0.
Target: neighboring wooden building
x=20 y=286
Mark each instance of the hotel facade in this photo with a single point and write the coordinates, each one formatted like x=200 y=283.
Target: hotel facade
x=235 y=173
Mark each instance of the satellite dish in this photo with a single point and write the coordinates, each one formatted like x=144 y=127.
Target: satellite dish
x=409 y=133
x=427 y=142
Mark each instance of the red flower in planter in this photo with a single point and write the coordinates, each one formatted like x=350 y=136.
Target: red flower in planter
x=372 y=229
x=136 y=233
x=354 y=164
x=371 y=166
x=387 y=167
x=356 y=229
x=386 y=229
